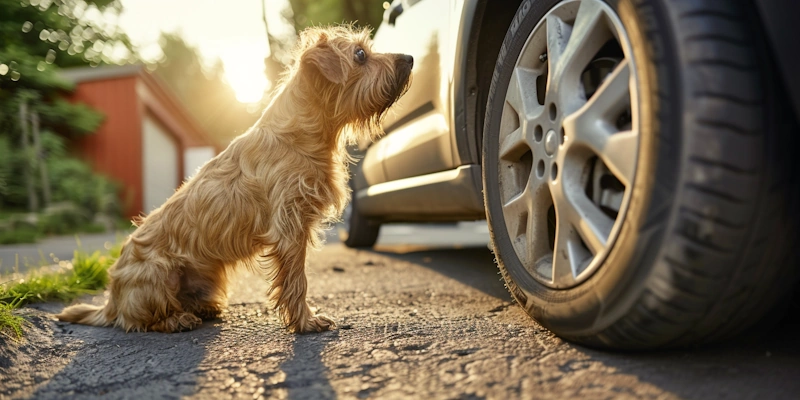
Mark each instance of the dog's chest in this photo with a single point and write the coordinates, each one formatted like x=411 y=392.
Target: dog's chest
x=322 y=190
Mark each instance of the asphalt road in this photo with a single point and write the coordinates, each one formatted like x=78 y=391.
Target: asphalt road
x=421 y=316
x=23 y=256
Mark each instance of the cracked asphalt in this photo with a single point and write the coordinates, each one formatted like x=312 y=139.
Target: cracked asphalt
x=425 y=320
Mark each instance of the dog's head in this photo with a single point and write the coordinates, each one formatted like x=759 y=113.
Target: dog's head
x=353 y=83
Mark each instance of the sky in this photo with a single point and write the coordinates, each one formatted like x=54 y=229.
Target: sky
x=231 y=30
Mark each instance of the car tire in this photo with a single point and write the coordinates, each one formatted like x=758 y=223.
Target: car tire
x=359 y=231
x=700 y=245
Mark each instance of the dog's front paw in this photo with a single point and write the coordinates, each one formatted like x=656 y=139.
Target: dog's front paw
x=317 y=323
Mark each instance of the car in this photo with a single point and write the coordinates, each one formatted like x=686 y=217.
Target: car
x=635 y=160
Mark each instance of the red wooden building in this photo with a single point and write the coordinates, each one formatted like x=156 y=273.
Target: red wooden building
x=148 y=142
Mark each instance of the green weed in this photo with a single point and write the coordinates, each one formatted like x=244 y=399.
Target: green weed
x=87 y=274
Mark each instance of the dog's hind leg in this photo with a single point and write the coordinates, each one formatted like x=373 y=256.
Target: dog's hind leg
x=177 y=322
x=145 y=296
x=204 y=294
x=289 y=287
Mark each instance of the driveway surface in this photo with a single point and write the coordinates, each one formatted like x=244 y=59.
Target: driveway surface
x=419 y=317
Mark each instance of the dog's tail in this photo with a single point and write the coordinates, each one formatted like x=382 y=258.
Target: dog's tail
x=85 y=314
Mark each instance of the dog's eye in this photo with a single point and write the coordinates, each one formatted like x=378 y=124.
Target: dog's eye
x=361 y=56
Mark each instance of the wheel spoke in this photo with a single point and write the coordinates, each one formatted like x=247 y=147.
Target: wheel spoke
x=592 y=225
x=619 y=154
x=522 y=94
x=532 y=239
x=513 y=145
x=516 y=212
x=577 y=216
x=592 y=126
x=563 y=268
x=583 y=40
x=558 y=33
x=613 y=96
x=563 y=262
x=617 y=149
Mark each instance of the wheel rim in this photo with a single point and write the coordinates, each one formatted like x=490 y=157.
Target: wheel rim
x=568 y=142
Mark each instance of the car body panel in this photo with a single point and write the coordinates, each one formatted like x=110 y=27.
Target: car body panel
x=418 y=139
x=440 y=196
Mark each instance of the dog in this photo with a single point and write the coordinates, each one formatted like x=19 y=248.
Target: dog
x=264 y=201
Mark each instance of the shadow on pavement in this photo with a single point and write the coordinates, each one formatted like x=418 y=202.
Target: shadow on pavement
x=473 y=266
x=760 y=364
x=111 y=363
x=764 y=356
x=306 y=374
x=742 y=367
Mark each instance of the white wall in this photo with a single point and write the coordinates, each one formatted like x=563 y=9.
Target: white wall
x=195 y=157
x=160 y=164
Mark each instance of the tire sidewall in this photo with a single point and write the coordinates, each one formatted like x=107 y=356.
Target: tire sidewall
x=608 y=294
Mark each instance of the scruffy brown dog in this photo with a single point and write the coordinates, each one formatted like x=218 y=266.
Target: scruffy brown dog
x=261 y=203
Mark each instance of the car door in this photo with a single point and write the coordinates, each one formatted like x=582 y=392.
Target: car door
x=418 y=139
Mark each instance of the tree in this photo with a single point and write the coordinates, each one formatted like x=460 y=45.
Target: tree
x=367 y=13
x=205 y=94
x=37 y=37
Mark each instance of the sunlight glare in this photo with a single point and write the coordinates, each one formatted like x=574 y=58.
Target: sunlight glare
x=244 y=71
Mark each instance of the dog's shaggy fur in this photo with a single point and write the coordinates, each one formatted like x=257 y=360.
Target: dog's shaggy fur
x=261 y=203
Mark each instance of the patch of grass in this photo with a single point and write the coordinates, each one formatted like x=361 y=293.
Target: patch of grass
x=10 y=324
x=86 y=274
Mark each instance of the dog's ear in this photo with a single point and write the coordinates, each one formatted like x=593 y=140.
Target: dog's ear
x=327 y=60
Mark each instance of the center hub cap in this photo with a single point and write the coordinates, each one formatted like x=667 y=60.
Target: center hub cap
x=550 y=142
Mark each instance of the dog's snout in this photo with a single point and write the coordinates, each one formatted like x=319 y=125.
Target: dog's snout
x=406 y=59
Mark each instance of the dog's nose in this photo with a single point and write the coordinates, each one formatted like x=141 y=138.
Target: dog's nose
x=408 y=59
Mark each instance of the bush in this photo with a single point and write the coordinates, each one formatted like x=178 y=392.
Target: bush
x=58 y=219
x=5 y=166
x=93 y=227
x=19 y=235
x=74 y=181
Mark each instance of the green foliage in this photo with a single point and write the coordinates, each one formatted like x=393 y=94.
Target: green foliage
x=28 y=71
x=78 y=195
x=71 y=118
x=62 y=32
x=88 y=275
x=62 y=220
x=73 y=181
x=37 y=38
x=10 y=324
x=23 y=234
x=5 y=167
x=367 y=13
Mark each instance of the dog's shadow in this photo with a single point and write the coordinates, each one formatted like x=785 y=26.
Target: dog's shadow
x=306 y=374
x=111 y=363
x=87 y=361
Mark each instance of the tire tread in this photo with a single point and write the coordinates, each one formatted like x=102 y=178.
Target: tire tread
x=718 y=292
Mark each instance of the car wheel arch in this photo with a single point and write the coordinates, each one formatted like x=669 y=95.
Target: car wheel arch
x=481 y=34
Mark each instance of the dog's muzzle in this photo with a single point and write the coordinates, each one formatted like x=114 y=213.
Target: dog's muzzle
x=405 y=59
x=403 y=65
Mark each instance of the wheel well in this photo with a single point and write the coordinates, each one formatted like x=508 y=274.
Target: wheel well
x=485 y=41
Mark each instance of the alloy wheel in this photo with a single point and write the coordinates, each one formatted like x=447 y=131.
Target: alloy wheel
x=569 y=140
